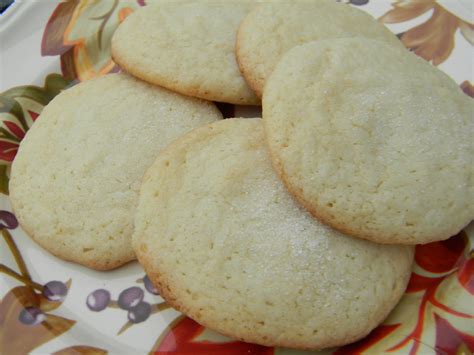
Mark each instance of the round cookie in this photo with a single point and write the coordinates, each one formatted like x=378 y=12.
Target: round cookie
x=186 y=47
x=75 y=180
x=373 y=141
x=271 y=29
x=225 y=243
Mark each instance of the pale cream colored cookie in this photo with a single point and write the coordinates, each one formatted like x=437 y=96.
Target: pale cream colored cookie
x=273 y=28
x=75 y=180
x=373 y=140
x=225 y=243
x=187 y=47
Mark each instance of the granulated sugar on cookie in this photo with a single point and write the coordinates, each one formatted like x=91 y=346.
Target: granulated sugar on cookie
x=186 y=47
x=75 y=180
x=226 y=244
x=372 y=140
x=271 y=29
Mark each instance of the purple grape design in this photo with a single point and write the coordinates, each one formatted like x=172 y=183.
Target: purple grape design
x=55 y=291
x=41 y=298
x=139 y=313
x=31 y=316
x=131 y=300
x=358 y=2
x=98 y=300
x=130 y=297
x=354 y=2
x=149 y=286
x=8 y=220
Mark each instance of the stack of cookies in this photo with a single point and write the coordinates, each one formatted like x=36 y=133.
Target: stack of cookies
x=294 y=230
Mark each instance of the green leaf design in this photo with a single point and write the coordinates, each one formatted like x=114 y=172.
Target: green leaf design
x=3 y=180
x=53 y=85
x=19 y=107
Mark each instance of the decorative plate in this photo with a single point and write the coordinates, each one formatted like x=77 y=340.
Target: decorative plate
x=51 y=306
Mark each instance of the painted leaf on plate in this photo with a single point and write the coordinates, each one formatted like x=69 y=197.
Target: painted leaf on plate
x=439 y=294
x=435 y=314
x=23 y=327
x=432 y=40
x=19 y=108
x=25 y=322
x=80 y=32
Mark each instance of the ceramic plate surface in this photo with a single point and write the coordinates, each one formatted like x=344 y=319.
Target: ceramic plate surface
x=51 y=306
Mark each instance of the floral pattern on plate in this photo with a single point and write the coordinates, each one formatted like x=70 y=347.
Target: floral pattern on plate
x=434 y=316
x=19 y=109
x=432 y=40
x=25 y=318
x=80 y=33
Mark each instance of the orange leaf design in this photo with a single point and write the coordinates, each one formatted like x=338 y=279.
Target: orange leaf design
x=123 y=13
x=434 y=39
x=406 y=10
x=81 y=31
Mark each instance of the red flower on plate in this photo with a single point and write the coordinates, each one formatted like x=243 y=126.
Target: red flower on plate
x=449 y=258
x=182 y=338
x=442 y=268
x=12 y=134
